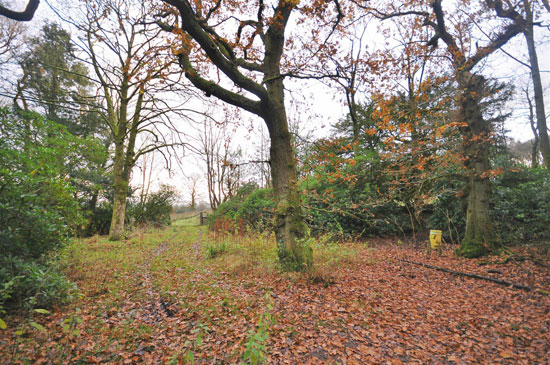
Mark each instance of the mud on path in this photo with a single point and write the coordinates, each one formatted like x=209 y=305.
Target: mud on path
x=157 y=307
x=152 y=311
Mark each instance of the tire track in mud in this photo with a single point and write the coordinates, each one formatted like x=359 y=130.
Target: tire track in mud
x=157 y=307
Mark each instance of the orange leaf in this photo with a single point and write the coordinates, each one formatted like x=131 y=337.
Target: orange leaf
x=506 y=354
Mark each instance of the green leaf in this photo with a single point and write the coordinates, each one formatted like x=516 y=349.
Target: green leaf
x=3 y=324
x=190 y=358
x=37 y=326
x=42 y=311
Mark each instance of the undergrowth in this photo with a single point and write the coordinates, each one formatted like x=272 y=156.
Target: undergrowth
x=215 y=274
x=256 y=346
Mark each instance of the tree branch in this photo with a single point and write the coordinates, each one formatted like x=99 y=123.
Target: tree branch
x=220 y=56
x=212 y=88
x=21 y=16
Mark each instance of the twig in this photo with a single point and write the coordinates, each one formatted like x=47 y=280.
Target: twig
x=474 y=276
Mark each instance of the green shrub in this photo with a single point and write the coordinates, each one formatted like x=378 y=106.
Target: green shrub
x=38 y=208
x=447 y=213
x=256 y=210
x=99 y=220
x=346 y=211
x=37 y=205
x=155 y=209
x=251 y=206
x=30 y=284
x=226 y=211
x=521 y=205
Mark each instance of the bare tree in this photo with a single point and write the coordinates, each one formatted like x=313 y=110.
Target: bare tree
x=350 y=69
x=129 y=58
x=192 y=182
x=10 y=39
x=542 y=126
x=262 y=165
x=147 y=168
x=528 y=22
x=222 y=170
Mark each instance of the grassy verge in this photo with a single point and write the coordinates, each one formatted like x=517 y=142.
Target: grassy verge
x=218 y=289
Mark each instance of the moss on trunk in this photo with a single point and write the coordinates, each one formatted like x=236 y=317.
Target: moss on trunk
x=480 y=237
x=293 y=250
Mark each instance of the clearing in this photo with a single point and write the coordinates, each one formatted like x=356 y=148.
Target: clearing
x=182 y=295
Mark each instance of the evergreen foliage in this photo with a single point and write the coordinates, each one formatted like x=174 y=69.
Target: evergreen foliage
x=154 y=209
x=38 y=208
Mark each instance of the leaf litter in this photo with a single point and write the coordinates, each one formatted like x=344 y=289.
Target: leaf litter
x=167 y=303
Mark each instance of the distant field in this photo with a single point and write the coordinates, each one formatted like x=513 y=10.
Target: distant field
x=178 y=216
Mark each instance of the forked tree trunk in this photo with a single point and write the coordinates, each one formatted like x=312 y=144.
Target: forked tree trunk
x=480 y=237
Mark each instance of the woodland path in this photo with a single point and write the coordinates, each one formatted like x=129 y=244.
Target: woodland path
x=161 y=299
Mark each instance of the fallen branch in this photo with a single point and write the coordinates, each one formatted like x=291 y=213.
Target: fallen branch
x=475 y=276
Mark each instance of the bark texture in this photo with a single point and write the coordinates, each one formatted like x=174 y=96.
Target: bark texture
x=480 y=237
x=542 y=127
x=289 y=225
x=121 y=185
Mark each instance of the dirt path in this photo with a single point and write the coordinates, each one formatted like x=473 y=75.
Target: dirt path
x=157 y=307
x=197 y=245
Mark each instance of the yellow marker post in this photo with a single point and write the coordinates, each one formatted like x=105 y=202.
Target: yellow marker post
x=435 y=241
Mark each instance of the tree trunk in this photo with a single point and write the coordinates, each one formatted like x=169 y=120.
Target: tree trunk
x=294 y=253
x=120 y=185
x=537 y=87
x=535 y=145
x=480 y=237
x=268 y=103
x=293 y=250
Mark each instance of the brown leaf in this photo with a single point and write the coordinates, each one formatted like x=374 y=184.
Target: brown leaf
x=506 y=354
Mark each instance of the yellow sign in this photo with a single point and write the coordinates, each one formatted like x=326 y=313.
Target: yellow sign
x=435 y=239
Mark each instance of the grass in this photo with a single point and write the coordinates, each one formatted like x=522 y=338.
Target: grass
x=214 y=282
x=238 y=305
